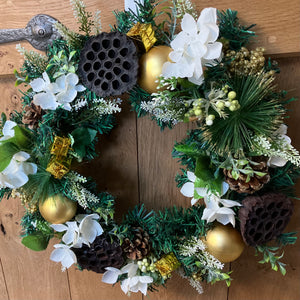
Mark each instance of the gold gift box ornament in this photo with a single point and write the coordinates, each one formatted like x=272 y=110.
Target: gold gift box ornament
x=167 y=264
x=145 y=31
x=59 y=164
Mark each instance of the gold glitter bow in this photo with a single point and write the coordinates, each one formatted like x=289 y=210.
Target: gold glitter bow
x=145 y=31
x=167 y=264
x=59 y=164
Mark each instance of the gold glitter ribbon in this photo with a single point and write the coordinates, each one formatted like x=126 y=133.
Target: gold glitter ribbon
x=145 y=31
x=59 y=164
x=167 y=264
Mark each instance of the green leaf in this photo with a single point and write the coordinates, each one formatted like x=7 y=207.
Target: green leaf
x=282 y=269
x=22 y=137
x=36 y=241
x=82 y=138
x=190 y=150
x=203 y=170
x=7 y=151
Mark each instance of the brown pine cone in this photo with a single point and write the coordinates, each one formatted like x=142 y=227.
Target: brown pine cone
x=256 y=182
x=101 y=254
x=139 y=247
x=264 y=218
x=33 y=114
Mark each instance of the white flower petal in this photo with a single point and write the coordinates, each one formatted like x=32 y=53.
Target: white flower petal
x=207 y=15
x=59 y=227
x=191 y=176
x=189 y=25
x=29 y=168
x=111 y=275
x=125 y=285
x=130 y=269
x=187 y=189
x=72 y=79
x=57 y=255
x=229 y=203
x=8 y=129
x=38 y=85
x=21 y=156
x=45 y=100
x=194 y=201
x=223 y=219
x=276 y=161
x=213 y=51
x=203 y=192
x=46 y=78
x=224 y=188
x=80 y=88
x=145 y=279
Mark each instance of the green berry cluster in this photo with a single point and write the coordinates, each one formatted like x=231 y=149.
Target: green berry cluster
x=147 y=264
x=218 y=100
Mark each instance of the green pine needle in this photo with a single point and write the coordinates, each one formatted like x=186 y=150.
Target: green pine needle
x=258 y=114
x=230 y=29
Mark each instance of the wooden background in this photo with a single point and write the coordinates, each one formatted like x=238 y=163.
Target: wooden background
x=136 y=166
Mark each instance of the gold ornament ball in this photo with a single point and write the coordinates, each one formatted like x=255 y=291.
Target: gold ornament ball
x=151 y=64
x=224 y=242
x=58 y=209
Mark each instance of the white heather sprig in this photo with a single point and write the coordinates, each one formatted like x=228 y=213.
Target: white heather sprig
x=82 y=195
x=194 y=283
x=195 y=247
x=79 y=104
x=277 y=147
x=97 y=23
x=184 y=7
x=77 y=6
x=75 y=177
x=165 y=107
x=106 y=107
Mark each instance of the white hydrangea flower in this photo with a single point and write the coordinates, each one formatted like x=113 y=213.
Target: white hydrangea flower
x=188 y=189
x=133 y=283
x=68 y=87
x=89 y=228
x=194 y=47
x=213 y=211
x=136 y=284
x=82 y=231
x=8 y=131
x=16 y=173
x=277 y=161
x=59 y=93
x=64 y=255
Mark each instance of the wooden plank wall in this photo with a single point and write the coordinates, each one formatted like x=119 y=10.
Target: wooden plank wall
x=135 y=165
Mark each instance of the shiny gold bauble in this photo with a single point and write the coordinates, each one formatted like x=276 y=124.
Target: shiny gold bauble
x=151 y=64
x=224 y=242
x=58 y=209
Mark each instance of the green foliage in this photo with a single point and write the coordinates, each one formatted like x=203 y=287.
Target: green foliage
x=282 y=180
x=7 y=151
x=5 y=193
x=84 y=18
x=136 y=96
x=230 y=29
x=270 y=256
x=36 y=241
x=287 y=238
x=83 y=137
x=258 y=114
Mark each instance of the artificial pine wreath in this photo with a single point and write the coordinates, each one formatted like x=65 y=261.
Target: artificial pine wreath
x=207 y=75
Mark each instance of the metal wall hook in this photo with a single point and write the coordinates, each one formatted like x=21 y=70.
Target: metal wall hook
x=39 y=32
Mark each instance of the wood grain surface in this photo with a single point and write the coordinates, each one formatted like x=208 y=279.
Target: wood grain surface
x=135 y=165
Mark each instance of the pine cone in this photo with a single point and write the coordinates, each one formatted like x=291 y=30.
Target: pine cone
x=139 y=247
x=33 y=114
x=101 y=254
x=256 y=182
x=264 y=218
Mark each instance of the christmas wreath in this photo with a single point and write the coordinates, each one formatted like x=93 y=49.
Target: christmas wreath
x=239 y=164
